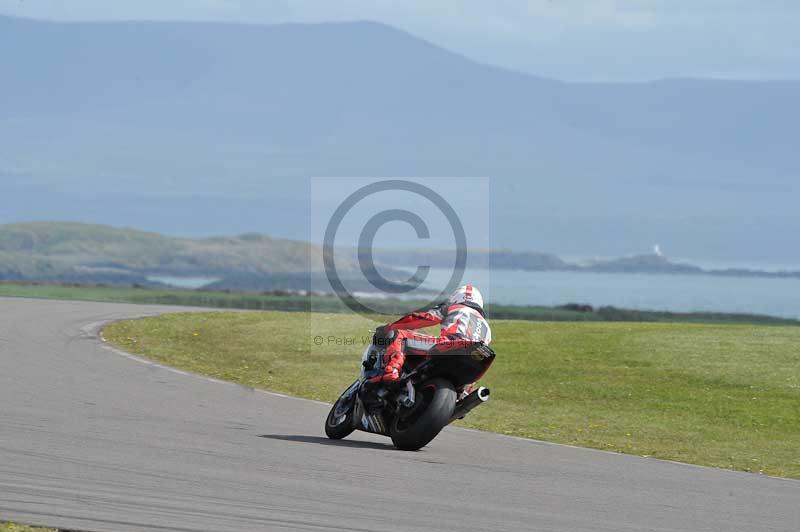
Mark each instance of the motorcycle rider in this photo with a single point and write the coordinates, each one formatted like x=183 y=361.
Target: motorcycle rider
x=462 y=322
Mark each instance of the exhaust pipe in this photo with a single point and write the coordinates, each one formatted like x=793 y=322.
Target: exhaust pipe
x=464 y=406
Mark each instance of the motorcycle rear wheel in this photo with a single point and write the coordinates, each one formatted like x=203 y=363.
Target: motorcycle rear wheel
x=424 y=422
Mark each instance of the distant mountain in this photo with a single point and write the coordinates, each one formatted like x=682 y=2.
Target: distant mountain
x=533 y=261
x=199 y=129
x=90 y=254
x=71 y=252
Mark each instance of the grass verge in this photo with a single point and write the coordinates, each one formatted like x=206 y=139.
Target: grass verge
x=322 y=303
x=719 y=395
x=12 y=527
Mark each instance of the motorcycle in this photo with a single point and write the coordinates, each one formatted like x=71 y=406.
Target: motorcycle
x=412 y=411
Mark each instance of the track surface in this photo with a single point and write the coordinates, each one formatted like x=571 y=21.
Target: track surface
x=93 y=440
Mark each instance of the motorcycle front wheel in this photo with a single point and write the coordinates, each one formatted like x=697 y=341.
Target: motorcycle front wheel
x=414 y=429
x=339 y=423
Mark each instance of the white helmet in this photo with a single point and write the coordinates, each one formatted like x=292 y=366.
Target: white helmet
x=467 y=295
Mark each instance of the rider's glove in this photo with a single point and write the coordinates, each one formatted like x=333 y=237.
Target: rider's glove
x=390 y=375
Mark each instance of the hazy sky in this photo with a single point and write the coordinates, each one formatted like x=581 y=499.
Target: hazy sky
x=567 y=39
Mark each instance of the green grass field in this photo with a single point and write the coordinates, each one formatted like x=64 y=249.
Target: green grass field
x=719 y=395
x=11 y=527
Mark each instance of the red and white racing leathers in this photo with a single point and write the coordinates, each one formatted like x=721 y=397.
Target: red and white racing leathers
x=461 y=325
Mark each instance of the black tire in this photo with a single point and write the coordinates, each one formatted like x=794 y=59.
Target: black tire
x=341 y=428
x=415 y=431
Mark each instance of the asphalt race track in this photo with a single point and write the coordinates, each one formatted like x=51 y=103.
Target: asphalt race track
x=94 y=440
